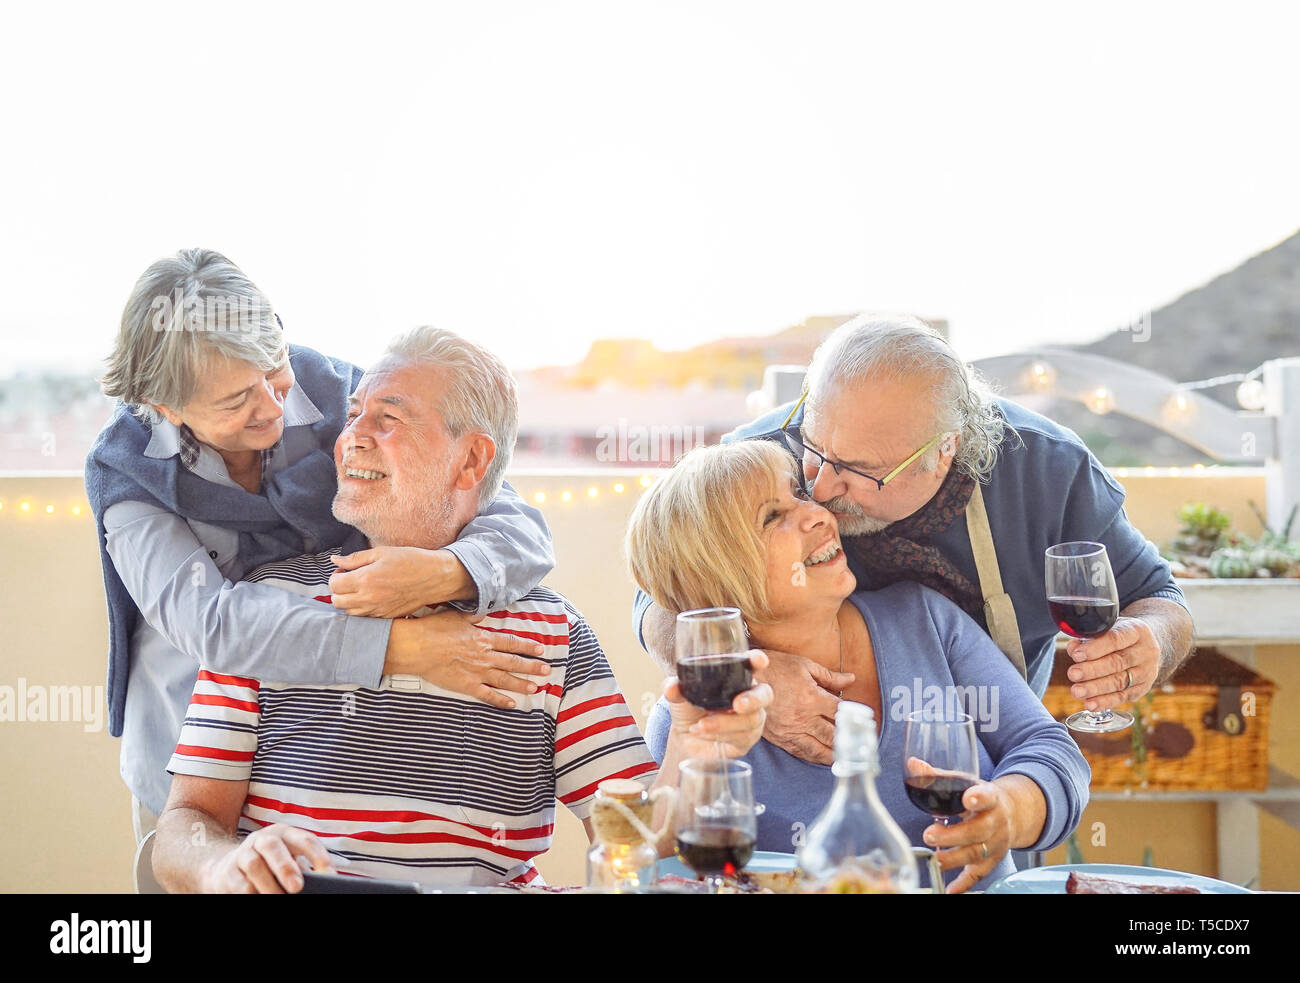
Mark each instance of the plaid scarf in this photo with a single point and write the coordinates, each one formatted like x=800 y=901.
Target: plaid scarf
x=191 y=449
x=902 y=551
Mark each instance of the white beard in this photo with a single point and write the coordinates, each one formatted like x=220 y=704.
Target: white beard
x=852 y=520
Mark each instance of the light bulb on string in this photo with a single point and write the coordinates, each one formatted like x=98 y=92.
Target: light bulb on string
x=1100 y=400
x=1042 y=375
x=1251 y=395
x=1179 y=407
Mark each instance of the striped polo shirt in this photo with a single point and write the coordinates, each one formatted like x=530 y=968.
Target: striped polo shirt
x=414 y=782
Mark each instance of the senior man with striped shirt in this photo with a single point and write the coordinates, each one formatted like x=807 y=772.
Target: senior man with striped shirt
x=409 y=780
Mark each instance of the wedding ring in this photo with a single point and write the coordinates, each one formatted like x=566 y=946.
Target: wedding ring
x=1128 y=678
x=985 y=847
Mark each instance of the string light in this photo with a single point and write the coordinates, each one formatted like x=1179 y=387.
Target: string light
x=539 y=497
x=1101 y=401
x=1178 y=408
x=1042 y=375
x=1251 y=395
x=50 y=508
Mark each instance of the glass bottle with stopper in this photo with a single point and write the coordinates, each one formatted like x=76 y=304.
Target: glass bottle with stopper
x=854 y=846
x=623 y=856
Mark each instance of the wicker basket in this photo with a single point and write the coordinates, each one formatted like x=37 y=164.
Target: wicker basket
x=1207 y=729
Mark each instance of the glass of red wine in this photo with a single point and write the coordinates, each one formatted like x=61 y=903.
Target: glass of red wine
x=712 y=657
x=940 y=761
x=714 y=840
x=713 y=666
x=1084 y=603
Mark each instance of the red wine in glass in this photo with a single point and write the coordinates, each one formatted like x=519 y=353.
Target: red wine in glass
x=940 y=760
x=717 y=851
x=712 y=682
x=1083 y=601
x=940 y=796
x=1083 y=617
x=716 y=818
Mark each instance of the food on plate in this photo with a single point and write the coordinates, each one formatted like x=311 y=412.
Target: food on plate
x=1078 y=883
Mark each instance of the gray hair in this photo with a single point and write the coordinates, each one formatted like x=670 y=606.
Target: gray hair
x=480 y=397
x=185 y=309
x=894 y=347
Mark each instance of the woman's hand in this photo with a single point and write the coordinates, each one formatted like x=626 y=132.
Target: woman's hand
x=700 y=733
x=394 y=581
x=450 y=650
x=267 y=862
x=1005 y=813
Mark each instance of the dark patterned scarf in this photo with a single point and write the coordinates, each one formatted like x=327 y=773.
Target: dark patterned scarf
x=903 y=551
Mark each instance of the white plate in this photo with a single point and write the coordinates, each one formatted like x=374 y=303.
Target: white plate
x=1051 y=880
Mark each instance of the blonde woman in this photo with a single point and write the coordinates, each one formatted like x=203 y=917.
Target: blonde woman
x=732 y=525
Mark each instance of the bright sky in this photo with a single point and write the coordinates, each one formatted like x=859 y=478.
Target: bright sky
x=537 y=175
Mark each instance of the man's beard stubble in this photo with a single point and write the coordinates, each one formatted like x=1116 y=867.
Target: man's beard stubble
x=418 y=514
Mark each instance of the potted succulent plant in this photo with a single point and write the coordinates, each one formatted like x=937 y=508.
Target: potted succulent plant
x=1237 y=587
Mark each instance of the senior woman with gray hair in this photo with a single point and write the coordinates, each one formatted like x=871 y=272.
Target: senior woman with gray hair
x=934 y=480
x=733 y=526
x=218 y=458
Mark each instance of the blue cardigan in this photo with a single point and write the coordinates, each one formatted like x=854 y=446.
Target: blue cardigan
x=291 y=514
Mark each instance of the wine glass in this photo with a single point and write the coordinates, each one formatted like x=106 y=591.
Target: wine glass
x=713 y=664
x=714 y=840
x=1084 y=603
x=712 y=657
x=940 y=761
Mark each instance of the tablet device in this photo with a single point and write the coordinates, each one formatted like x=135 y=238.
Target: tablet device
x=313 y=883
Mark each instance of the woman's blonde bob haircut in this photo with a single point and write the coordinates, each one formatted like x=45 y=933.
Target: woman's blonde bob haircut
x=694 y=539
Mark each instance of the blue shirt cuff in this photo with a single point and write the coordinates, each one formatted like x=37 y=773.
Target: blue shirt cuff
x=1055 y=825
x=480 y=570
x=361 y=657
x=1174 y=594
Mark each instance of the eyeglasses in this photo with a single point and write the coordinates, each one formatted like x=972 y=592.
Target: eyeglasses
x=800 y=449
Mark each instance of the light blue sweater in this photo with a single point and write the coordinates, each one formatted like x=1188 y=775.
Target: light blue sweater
x=925 y=648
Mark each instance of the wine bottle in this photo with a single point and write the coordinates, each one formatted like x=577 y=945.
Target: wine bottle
x=854 y=846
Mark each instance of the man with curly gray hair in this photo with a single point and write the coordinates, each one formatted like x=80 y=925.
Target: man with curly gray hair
x=933 y=479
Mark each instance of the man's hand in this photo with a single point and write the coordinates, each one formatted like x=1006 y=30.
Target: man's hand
x=801 y=719
x=701 y=733
x=266 y=862
x=450 y=650
x=394 y=581
x=1117 y=667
